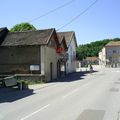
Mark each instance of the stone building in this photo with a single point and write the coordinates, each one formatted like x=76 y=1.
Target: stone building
x=37 y=52
x=31 y=52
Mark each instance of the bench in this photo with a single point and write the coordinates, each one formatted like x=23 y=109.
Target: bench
x=10 y=81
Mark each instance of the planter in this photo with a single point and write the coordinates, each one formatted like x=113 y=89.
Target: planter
x=19 y=86
x=22 y=85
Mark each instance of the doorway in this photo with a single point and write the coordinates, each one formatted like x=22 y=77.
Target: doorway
x=51 y=71
x=58 y=69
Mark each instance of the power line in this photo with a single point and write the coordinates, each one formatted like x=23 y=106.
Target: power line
x=76 y=17
x=51 y=11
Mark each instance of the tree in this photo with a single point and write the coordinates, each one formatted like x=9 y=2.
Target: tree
x=23 y=27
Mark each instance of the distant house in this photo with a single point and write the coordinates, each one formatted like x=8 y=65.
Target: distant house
x=92 y=60
x=102 y=57
x=71 y=42
x=110 y=54
x=32 y=52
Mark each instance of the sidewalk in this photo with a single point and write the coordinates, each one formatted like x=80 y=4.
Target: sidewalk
x=68 y=78
x=39 y=86
x=34 y=87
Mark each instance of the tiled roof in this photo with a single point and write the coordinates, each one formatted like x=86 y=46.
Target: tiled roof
x=113 y=43
x=68 y=36
x=91 y=58
x=39 y=37
x=60 y=38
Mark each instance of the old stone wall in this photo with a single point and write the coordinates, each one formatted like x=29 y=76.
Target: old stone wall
x=18 y=59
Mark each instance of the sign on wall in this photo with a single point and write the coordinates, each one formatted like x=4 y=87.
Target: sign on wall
x=59 y=50
x=34 y=67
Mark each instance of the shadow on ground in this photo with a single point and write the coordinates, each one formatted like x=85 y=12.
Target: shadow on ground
x=73 y=76
x=13 y=94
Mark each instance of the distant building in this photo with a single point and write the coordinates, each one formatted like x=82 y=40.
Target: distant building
x=92 y=60
x=110 y=54
x=102 y=57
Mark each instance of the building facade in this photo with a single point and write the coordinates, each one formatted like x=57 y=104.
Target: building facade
x=30 y=52
x=62 y=56
x=110 y=54
x=102 y=57
x=37 y=52
x=71 y=52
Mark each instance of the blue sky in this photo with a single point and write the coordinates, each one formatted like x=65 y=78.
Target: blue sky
x=102 y=21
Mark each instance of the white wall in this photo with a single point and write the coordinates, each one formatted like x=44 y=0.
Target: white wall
x=102 y=57
x=71 y=63
x=48 y=55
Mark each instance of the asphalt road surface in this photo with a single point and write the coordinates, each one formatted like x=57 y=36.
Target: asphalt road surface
x=80 y=96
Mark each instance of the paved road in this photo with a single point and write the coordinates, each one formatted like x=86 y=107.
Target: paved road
x=81 y=96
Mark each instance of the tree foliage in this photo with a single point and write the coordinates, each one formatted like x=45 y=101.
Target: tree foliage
x=92 y=49
x=23 y=27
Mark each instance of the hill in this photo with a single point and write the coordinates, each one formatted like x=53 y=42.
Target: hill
x=92 y=49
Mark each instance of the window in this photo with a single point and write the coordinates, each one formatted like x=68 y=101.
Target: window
x=114 y=51
x=109 y=51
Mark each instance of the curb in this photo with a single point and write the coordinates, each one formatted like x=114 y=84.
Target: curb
x=41 y=86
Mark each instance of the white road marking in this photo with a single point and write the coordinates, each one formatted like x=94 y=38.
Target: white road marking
x=70 y=93
x=30 y=115
x=75 y=90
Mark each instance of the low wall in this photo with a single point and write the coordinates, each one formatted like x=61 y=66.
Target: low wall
x=31 y=78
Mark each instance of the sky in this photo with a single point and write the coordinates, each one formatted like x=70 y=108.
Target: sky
x=101 y=21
